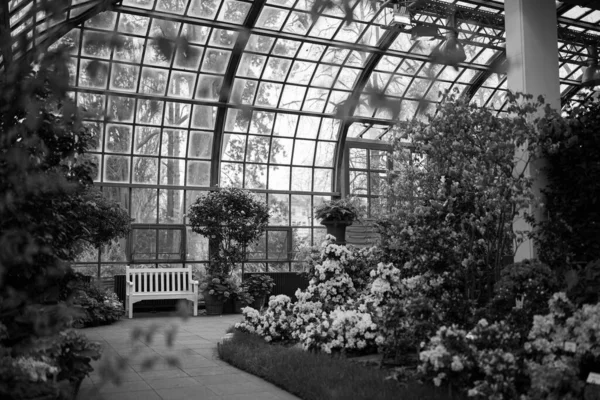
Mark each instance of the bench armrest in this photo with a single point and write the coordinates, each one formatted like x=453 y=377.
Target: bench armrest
x=129 y=283
x=195 y=282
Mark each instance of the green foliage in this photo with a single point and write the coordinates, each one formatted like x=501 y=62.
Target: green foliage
x=530 y=283
x=231 y=219
x=338 y=210
x=571 y=146
x=456 y=193
x=583 y=283
x=101 y=307
x=258 y=285
x=219 y=286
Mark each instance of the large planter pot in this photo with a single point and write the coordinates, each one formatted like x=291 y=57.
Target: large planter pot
x=337 y=229
x=214 y=305
x=228 y=306
x=258 y=302
x=238 y=305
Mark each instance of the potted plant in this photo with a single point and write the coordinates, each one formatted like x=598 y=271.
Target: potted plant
x=336 y=215
x=231 y=219
x=258 y=286
x=242 y=299
x=216 y=290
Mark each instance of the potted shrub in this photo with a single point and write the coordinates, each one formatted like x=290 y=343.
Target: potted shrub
x=242 y=299
x=231 y=219
x=258 y=286
x=336 y=215
x=216 y=290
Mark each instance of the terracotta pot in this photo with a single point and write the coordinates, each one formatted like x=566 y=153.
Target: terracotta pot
x=337 y=229
x=214 y=305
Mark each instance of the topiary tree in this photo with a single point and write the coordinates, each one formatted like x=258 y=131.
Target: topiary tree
x=231 y=219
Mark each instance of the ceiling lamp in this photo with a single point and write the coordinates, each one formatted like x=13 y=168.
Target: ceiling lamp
x=423 y=32
x=591 y=75
x=451 y=51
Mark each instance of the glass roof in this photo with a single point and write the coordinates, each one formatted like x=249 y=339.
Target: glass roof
x=263 y=86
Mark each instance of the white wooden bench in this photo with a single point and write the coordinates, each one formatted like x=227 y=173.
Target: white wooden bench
x=160 y=284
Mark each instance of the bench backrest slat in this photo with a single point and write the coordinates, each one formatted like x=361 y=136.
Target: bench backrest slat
x=159 y=280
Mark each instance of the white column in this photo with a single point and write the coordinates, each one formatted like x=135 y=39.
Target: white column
x=532 y=53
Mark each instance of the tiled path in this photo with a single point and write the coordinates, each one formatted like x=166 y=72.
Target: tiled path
x=200 y=375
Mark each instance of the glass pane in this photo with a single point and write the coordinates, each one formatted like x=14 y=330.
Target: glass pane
x=116 y=169
x=377 y=183
x=197 y=246
x=279 y=209
x=115 y=251
x=304 y=152
x=121 y=109
x=146 y=140
x=302 y=179
x=118 y=139
x=144 y=205
x=231 y=174
x=119 y=195
x=200 y=145
x=322 y=182
x=144 y=244
x=173 y=143
x=172 y=171
x=255 y=176
x=170 y=206
x=358 y=158
x=169 y=244
x=325 y=154
x=277 y=245
x=198 y=173
x=378 y=159
x=301 y=210
x=145 y=170
x=281 y=151
x=279 y=178
x=258 y=250
x=358 y=182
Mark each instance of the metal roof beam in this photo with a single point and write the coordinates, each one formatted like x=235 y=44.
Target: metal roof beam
x=227 y=87
x=351 y=104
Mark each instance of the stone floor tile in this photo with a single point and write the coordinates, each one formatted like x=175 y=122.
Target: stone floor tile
x=251 y=396
x=172 y=383
x=198 y=392
x=125 y=387
x=223 y=378
x=167 y=374
x=223 y=389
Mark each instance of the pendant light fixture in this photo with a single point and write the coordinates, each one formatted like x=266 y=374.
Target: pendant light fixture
x=591 y=74
x=450 y=51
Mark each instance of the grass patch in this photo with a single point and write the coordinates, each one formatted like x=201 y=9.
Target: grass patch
x=313 y=376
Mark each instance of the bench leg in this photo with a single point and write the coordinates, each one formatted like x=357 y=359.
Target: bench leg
x=130 y=307
x=195 y=306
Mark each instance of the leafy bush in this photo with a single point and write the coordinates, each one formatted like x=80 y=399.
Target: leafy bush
x=583 y=283
x=571 y=146
x=258 y=285
x=563 y=348
x=219 y=286
x=455 y=194
x=102 y=307
x=338 y=210
x=531 y=283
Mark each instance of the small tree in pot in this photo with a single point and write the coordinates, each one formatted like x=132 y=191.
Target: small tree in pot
x=231 y=219
x=336 y=215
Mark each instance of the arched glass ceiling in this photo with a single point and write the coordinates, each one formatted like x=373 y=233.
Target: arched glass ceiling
x=259 y=95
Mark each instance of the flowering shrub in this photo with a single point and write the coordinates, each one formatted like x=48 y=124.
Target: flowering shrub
x=26 y=377
x=258 y=285
x=219 y=286
x=101 y=306
x=481 y=362
x=274 y=324
x=563 y=346
x=340 y=330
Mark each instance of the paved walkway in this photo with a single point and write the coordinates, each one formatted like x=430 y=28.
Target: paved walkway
x=200 y=375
